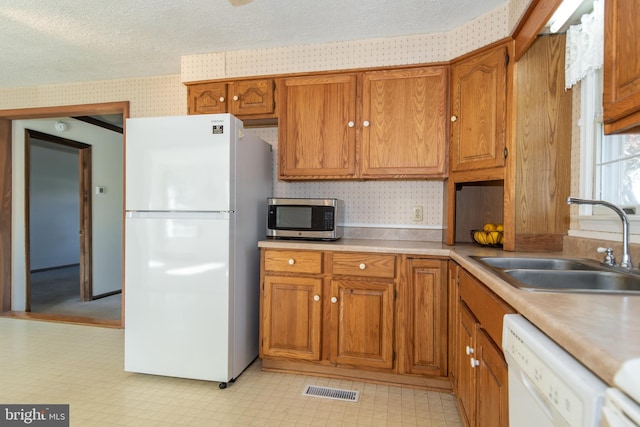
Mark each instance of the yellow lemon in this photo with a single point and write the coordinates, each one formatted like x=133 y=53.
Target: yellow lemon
x=489 y=227
x=499 y=227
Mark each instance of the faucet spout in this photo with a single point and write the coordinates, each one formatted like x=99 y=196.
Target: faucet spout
x=625 y=262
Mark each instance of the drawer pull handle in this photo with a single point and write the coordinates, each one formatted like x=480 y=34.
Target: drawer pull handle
x=362 y=266
x=292 y=261
x=334 y=300
x=316 y=297
x=474 y=362
x=469 y=350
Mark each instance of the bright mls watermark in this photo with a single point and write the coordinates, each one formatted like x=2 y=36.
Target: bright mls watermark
x=34 y=415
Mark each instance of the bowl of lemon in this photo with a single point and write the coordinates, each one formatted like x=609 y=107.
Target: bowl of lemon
x=490 y=235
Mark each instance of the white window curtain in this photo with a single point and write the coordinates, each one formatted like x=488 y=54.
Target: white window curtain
x=585 y=45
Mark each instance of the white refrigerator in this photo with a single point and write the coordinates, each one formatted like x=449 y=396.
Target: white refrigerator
x=196 y=192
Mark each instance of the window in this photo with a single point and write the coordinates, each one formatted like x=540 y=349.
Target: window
x=610 y=166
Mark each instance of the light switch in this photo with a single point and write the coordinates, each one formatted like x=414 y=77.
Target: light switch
x=101 y=190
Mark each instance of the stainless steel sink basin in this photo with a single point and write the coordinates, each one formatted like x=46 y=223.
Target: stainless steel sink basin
x=538 y=263
x=576 y=281
x=562 y=275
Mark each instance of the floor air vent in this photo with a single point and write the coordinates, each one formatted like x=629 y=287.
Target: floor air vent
x=331 y=393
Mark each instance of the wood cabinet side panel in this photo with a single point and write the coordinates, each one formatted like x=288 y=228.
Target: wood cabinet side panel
x=543 y=140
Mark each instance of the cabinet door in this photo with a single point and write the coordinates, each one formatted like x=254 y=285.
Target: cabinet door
x=493 y=402
x=316 y=130
x=207 y=98
x=622 y=61
x=292 y=310
x=251 y=97
x=467 y=325
x=404 y=123
x=362 y=323
x=425 y=323
x=479 y=111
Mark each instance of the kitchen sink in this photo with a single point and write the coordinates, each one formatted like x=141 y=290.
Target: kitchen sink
x=538 y=263
x=575 y=280
x=562 y=275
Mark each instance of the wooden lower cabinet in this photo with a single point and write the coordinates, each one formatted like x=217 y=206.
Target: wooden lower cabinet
x=492 y=383
x=481 y=369
x=291 y=320
x=368 y=316
x=423 y=336
x=362 y=322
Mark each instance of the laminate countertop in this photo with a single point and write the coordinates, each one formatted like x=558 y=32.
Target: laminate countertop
x=602 y=331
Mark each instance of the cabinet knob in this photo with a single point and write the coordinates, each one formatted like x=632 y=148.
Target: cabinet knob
x=454 y=118
x=362 y=266
x=235 y=97
x=316 y=297
x=222 y=99
x=351 y=124
x=292 y=261
x=469 y=350
x=366 y=123
x=334 y=300
x=474 y=362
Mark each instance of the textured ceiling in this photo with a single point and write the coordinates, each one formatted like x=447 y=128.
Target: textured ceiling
x=48 y=42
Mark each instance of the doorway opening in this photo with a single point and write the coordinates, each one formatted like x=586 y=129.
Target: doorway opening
x=14 y=299
x=57 y=219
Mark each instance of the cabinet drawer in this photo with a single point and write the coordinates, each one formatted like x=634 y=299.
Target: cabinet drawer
x=293 y=261
x=364 y=265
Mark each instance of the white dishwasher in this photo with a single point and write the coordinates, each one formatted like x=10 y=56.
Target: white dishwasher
x=547 y=386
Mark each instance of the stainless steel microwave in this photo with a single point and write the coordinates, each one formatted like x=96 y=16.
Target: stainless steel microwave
x=307 y=219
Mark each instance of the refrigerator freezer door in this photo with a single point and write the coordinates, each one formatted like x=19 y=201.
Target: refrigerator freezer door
x=177 y=296
x=179 y=163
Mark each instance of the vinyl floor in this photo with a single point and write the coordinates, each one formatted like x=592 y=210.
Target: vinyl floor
x=49 y=363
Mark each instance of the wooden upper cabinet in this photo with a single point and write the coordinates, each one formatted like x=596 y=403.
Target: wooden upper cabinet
x=316 y=129
x=242 y=98
x=621 y=110
x=404 y=123
x=207 y=98
x=251 y=97
x=479 y=110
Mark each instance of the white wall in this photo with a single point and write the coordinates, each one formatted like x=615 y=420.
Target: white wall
x=107 y=213
x=54 y=205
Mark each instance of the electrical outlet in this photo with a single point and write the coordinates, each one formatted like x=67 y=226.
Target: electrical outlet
x=416 y=213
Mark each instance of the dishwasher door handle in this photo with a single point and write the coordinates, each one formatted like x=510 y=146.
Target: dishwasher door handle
x=541 y=401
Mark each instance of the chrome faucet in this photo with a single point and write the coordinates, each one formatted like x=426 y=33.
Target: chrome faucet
x=625 y=262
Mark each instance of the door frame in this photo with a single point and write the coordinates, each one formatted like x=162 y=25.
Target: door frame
x=6 y=117
x=84 y=196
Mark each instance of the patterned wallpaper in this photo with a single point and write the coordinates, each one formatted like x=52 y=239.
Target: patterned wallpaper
x=369 y=204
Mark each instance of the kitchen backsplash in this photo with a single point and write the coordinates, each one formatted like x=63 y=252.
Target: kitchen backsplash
x=373 y=209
